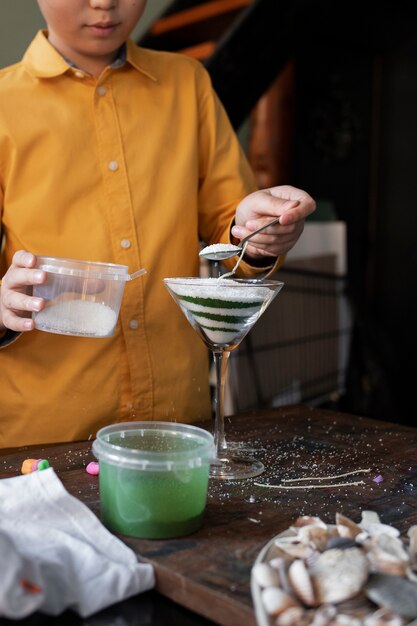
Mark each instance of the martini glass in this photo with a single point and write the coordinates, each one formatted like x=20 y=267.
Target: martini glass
x=223 y=311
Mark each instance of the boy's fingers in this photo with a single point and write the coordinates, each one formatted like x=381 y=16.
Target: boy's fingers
x=294 y=214
x=16 y=278
x=17 y=323
x=17 y=301
x=23 y=258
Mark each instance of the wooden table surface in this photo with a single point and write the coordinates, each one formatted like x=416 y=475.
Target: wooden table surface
x=209 y=572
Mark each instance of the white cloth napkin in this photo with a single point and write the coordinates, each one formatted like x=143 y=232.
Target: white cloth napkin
x=55 y=554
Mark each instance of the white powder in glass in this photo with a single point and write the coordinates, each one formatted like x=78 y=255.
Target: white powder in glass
x=77 y=317
x=220 y=289
x=223 y=310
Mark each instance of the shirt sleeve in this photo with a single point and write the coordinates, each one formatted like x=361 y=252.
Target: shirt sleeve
x=225 y=176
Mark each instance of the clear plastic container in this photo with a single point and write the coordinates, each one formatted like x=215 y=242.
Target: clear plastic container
x=83 y=298
x=153 y=477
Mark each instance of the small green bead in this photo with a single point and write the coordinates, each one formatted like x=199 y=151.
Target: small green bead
x=44 y=464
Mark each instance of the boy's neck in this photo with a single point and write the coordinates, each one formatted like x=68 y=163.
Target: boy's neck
x=93 y=69
x=92 y=65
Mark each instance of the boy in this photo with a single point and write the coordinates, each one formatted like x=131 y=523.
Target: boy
x=113 y=153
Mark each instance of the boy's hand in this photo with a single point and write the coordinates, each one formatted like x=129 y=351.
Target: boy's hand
x=260 y=207
x=16 y=302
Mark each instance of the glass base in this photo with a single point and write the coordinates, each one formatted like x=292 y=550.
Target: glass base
x=232 y=467
x=242 y=448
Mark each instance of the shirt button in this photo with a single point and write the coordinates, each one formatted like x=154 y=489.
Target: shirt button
x=125 y=243
x=101 y=90
x=79 y=74
x=113 y=166
x=133 y=324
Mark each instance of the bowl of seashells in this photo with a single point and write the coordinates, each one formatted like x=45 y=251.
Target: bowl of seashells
x=342 y=574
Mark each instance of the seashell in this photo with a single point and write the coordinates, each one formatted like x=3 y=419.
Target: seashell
x=387 y=555
x=307 y=520
x=411 y=576
x=369 y=517
x=315 y=536
x=412 y=548
x=334 y=575
x=359 y=604
x=343 y=619
x=383 y=617
x=275 y=552
x=346 y=527
x=294 y=616
x=312 y=557
x=374 y=530
x=338 y=575
x=276 y=601
x=362 y=538
x=341 y=543
x=371 y=524
x=391 y=545
x=288 y=534
x=265 y=575
x=287 y=540
x=301 y=582
x=280 y=565
x=293 y=547
x=393 y=592
x=324 y=615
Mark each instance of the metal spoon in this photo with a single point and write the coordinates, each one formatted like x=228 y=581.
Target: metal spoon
x=221 y=251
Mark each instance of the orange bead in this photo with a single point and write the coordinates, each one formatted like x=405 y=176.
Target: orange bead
x=27 y=466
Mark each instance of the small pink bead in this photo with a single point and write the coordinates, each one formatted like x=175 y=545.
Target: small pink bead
x=93 y=468
x=35 y=464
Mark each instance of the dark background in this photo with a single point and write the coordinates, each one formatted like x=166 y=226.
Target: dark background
x=352 y=148
x=356 y=134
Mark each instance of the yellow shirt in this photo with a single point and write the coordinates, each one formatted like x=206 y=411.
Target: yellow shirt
x=131 y=168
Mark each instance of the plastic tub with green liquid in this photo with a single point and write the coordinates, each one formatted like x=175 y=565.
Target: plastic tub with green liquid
x=153 y=477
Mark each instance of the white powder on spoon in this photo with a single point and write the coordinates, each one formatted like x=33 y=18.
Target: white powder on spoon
x=220 y=247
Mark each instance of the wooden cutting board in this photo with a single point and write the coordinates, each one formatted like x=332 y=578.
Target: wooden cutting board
x=209 y=571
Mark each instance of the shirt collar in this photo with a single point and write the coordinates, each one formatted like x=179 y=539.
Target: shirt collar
x=141 y=59
x=42 y=60
x=119 y=61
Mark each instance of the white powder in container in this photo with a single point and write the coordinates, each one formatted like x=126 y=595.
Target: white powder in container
x=77 y=317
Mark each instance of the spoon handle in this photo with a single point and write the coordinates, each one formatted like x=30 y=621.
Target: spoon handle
x=242 y=252
x=255 y=232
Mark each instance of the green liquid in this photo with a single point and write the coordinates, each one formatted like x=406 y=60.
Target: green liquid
x=153 y=504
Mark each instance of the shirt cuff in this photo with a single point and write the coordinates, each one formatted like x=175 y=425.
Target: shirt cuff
x=259 y=271
x=7 y=337
x=255 y=267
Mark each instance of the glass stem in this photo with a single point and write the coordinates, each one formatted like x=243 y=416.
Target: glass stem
x=221 y=359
